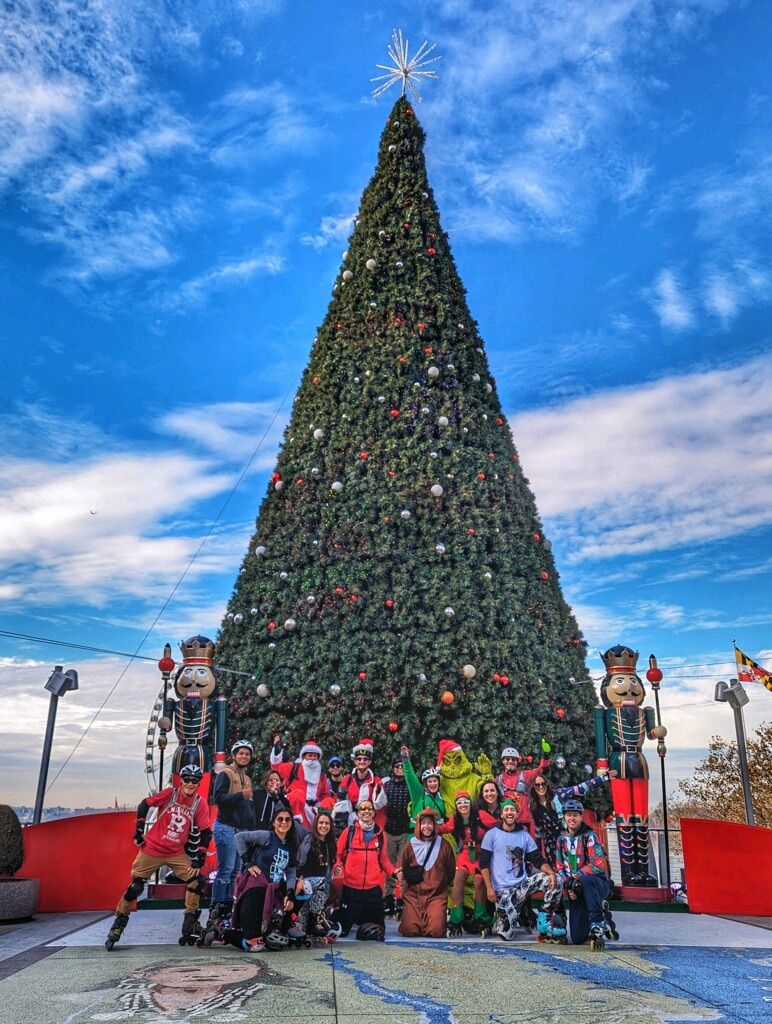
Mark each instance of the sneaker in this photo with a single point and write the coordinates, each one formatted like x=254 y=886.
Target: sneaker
x=296 y=933
x=253 y=945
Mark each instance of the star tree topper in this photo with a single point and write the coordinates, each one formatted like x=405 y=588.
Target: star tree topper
x=404 y=68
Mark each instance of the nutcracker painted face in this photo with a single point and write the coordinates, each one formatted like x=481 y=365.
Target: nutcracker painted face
x=621 y=686
x=195 y=681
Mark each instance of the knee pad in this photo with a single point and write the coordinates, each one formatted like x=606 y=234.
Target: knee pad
x=134 y=889
x=196 y=885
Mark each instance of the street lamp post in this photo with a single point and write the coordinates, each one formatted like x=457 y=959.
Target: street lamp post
x=733 y=694
x=58 y=684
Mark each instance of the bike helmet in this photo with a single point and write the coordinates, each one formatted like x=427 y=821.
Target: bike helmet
x=510 y=752
x=371 y=933
x=242 y=745
x=430 y=773
x=573 y=805
x=191 y=772
x=276 y=940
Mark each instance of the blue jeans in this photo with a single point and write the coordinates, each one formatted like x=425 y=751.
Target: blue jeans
x=587 y=909
x=227 y=859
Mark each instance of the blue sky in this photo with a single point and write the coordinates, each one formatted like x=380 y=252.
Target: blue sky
x=178 y=183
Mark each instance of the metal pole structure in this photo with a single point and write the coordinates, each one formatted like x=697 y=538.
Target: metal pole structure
x=735 y=696
x=654 y=675
x=166 y=667
x=45 y=760
x=58 y=684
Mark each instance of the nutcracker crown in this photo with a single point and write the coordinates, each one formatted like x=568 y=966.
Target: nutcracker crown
x=198 y=649
x=620 y=659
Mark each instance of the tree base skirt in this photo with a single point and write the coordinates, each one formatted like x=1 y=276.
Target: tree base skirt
x=18 y=899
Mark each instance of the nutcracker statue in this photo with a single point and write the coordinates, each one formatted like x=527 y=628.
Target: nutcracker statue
x=620 y=731
x=199 y=715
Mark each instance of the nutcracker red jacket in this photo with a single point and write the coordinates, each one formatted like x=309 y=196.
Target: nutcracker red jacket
x=365 y=864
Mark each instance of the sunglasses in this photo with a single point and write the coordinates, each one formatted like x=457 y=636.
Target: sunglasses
x=282 y=817
x=362 y=757
x=366 y=807
x=540 y=785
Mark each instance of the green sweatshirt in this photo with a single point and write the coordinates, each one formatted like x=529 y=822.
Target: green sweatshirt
x=420 y=800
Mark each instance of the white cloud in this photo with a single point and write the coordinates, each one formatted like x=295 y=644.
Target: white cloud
x=671 y=304
x=256 y=124
x=231 y=430
x=331 y=229
x=535 y=122
x=81 y=524
x=224 y=275
x=661 y=463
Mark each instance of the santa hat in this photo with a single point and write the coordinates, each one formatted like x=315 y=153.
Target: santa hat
x=364 y=746
x=446 y=747
x=310 y=747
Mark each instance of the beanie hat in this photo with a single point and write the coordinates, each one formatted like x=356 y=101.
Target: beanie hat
x=446 y=747
x=509 y=803
x=310 y=747
x=462 y=794
x=365 y=746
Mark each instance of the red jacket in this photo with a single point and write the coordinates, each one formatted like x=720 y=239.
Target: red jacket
x=365 y=865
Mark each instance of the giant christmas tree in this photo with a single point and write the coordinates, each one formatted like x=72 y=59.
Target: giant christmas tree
x=398 y=584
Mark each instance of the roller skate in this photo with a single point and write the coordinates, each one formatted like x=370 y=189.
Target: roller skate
x=398 y=904
x=324 y=930
x=191 y=928
x=611 y=928
x=526 y=917
x=550 y=927
x=116 y=930
x=598 y=936
x=456 y=922
x=217 y=923
x=389 y=906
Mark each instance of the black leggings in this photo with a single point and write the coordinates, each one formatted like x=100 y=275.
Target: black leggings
x=360 y=906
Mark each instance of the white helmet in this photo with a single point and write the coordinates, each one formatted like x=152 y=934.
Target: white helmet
x=510 y=752
x=242 y=745
x=430 y=773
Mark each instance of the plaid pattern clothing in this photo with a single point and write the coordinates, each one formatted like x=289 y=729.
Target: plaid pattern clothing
x=584 y=849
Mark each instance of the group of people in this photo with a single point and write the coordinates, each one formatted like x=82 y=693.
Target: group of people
x=311 y=853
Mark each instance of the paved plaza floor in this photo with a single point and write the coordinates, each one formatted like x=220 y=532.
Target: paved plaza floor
x=666 y=967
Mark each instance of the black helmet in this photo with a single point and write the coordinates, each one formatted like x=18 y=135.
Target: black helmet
x=371 y=933
x=192 y=773
x=573 y=804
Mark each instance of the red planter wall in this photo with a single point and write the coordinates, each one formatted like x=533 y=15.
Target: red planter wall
x=719 y=859
x=83 y=862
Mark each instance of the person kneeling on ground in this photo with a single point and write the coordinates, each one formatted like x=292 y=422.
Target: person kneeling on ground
x=582 y=868
x=428 y=866
x=506 y=853
x=363 y=864
x=262 y=896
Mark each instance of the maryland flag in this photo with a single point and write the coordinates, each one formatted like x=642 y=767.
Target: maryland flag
x=749 y=672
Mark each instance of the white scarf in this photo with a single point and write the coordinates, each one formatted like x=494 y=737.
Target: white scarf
x=421 y=848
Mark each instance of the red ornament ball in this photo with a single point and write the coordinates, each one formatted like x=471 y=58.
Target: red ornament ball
x=275 y=478
x=364 y=456
x=393 y=726
x=389 y=602
x=544 y=575
x=166 y=665
x=496 y=677
x=536 y=536
x=406 y=226
x=432 y=251
x=447 y=698
x=394 y=413
x=560 y=713
x=362 y=676
x=654 y=675
x=504 y=680
x=471 y=531
x=481 y=476
x=340 y=590
x=408 y=111
x=316 y=380
x=353 y=598
x=271 y=626
x=299 y=482
x=392 y=472
x=428 y=351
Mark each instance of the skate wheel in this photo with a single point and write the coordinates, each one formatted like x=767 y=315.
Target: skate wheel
x=109 y=943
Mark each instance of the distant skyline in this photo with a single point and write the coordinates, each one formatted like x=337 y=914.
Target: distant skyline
x=178 y=187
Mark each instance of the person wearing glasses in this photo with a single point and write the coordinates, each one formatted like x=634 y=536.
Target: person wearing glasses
x=363 y=865
x=264 y=890
x=362 y=784
x=178 y=838
x=547 y=809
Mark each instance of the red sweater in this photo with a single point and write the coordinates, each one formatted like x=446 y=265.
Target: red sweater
x=365 y=865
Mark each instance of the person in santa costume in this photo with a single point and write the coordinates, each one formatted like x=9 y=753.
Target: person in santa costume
x=305 y=784
x=362 y=784
x=514 y=781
